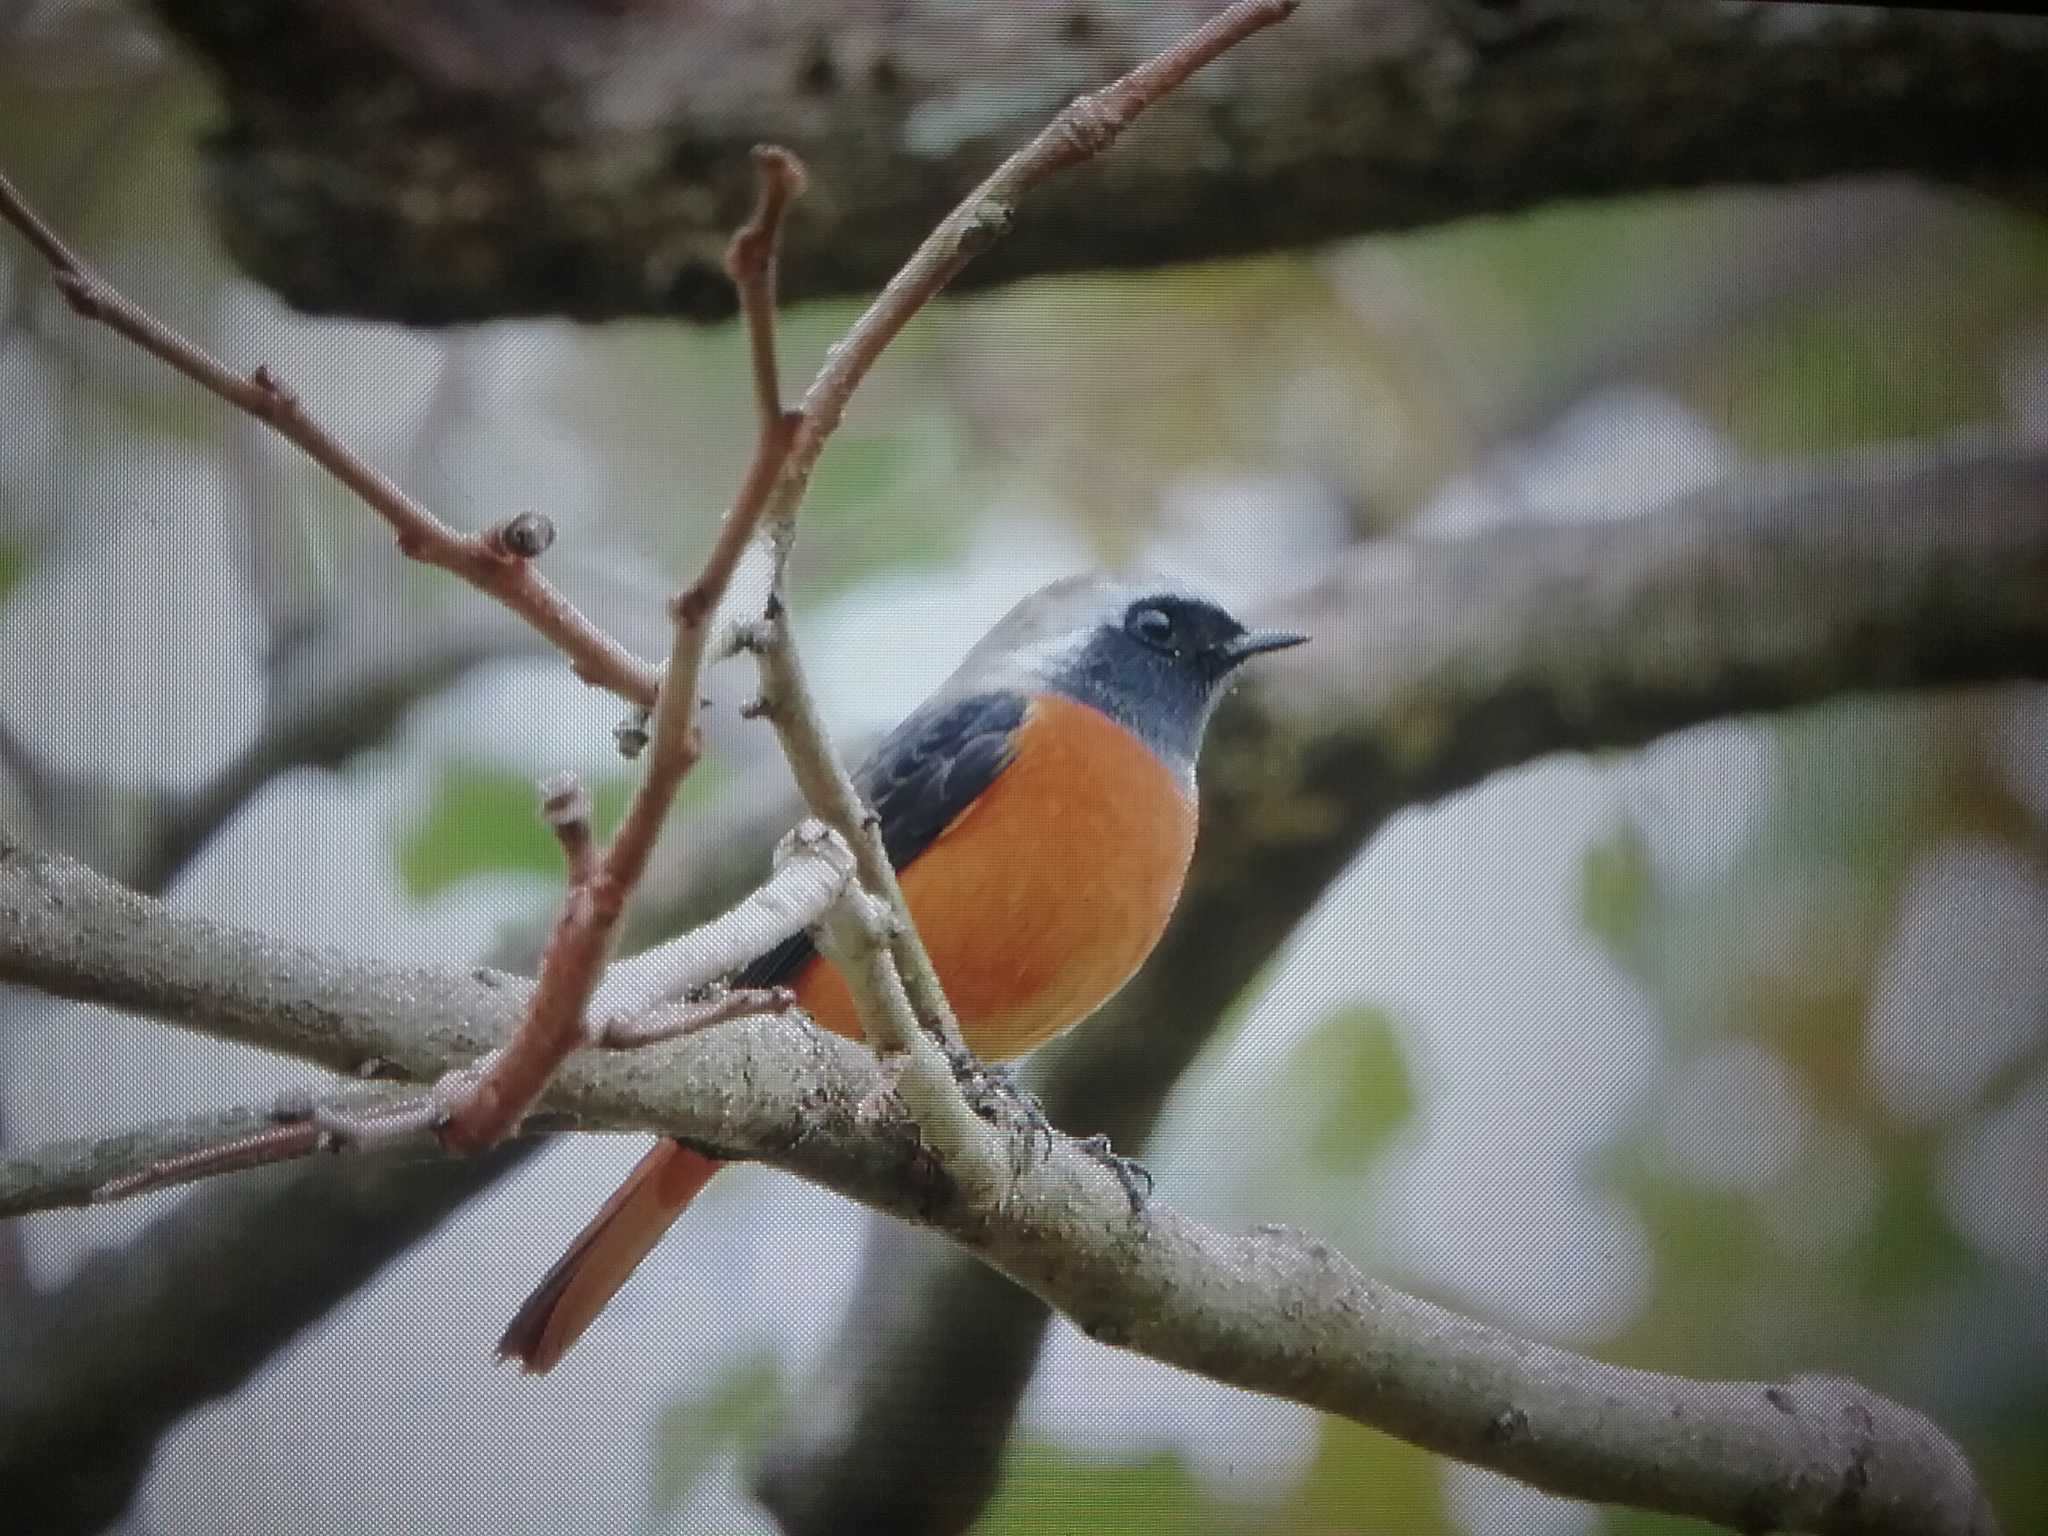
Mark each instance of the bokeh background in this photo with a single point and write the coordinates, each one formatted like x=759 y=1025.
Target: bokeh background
x=1728 y=1056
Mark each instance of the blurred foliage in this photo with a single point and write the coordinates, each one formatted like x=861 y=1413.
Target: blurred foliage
x=664 y=410
x=731 y=1413
x=1616 y=889
x=1365 y=1483
x=480 y=819
x=1047 y=1491
x=1358 y=1483
x=1908 y=347
x=1382 y=369
x=1843 y=1255
x=1323 y=1116
x=1351 y=1072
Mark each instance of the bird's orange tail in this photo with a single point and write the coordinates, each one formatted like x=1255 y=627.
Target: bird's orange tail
x=571 y=1295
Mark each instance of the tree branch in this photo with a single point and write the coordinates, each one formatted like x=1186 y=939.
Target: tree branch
x=1438 y=662
x=1270 y=1310
x=788 y=448
x=440 y=164
x=485 y=560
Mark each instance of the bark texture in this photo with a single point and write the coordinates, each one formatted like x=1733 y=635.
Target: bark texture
x=587 y=158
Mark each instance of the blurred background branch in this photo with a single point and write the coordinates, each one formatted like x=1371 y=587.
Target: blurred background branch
x=1440 y=661
x=1766 y=1093
x=1501 y=648
x=202 y=1298
x=448 y=163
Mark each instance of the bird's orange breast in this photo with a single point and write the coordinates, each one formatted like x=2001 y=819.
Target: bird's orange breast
x=1042 y=898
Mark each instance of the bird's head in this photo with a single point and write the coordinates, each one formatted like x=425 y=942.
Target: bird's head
x=1152 y=654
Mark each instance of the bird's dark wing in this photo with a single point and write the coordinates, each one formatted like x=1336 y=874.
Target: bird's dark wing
x=923 y=775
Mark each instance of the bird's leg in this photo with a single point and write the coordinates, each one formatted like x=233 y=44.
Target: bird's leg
x=1128 y=1170
x=997 y=1096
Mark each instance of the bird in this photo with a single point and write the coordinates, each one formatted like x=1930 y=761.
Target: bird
x=1040 y=811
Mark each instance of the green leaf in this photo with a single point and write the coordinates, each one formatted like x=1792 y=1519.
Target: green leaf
x=732 y=1412
x=1047 y=1492
x=482 y=819
x=1616 y=888
x=1351 y=1073
x=1909 y=1249
x=883 y=500
x=1362 y=1480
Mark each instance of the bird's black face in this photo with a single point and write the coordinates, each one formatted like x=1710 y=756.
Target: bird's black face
x=1196 y=635
x=1158 y=668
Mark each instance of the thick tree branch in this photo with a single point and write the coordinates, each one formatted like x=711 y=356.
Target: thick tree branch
x=1914 y=574
x=1501 y=648
x=1505 y=646
x=1271 y=1310
x=1936 y=565
x=498 y=561
x=447 y=163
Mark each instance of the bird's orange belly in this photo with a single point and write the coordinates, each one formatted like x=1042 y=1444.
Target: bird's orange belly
x=1045 y=895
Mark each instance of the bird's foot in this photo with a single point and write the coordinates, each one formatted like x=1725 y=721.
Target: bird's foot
x=999 y=1098
x=1129 y=1172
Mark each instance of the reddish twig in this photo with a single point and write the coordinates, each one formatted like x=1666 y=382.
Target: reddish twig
x=273 y=1144
x=565 y=807
x=752 y=260
x=1088 y=125
x=584 y=929
x=487 y=1102
x=490 y=562
x=304 y=1126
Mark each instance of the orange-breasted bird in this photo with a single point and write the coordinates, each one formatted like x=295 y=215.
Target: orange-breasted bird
x=1039 y=809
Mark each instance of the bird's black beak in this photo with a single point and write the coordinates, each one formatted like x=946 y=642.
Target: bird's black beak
x=1239 y=649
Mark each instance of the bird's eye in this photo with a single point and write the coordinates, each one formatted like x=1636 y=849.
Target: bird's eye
x=1154 y=626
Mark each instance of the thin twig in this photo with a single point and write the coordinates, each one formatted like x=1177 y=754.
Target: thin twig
x=273 y=1144
x=596 y=657
x=565 y=807
x=584 y=929
x=1088 y=125
x=752 y=262
x=298 y=1130
x=788 y=704
x=812 y=867
x=1271 y=1310
x=857 y=940
x=691 y=1018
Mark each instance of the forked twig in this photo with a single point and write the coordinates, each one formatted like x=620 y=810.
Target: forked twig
x=477 y=1108
x=1087 y=126
x=581 y=940
x=491 y=561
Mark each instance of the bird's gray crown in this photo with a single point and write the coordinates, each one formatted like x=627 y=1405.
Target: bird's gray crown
x=1150 y=652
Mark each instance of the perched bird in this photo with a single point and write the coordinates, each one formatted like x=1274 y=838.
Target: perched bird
x=1040 y=812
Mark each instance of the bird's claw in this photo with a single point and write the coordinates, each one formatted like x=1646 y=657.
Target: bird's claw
x=1128 y=1170
x=998 y=1097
